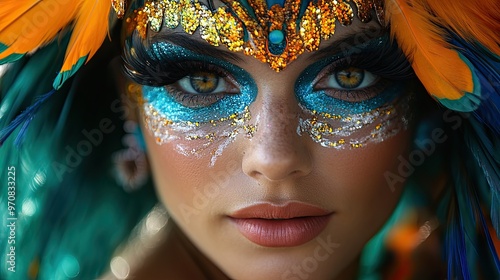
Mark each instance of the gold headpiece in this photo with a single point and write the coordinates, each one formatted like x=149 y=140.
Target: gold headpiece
x=276 y=35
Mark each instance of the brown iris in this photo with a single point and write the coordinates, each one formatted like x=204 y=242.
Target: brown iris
x=204 y=82
x=350 y=77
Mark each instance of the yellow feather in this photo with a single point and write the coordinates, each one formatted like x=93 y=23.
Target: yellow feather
x=440 y=69
x=90 y=30
x=27 y=25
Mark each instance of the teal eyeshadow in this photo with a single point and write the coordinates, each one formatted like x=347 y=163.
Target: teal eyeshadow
x=163 y=102
x=319 y=101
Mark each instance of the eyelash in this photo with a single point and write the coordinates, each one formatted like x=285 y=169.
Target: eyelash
x=351 y=95
x=200 y=100
x=144 y=69
x=387 y=62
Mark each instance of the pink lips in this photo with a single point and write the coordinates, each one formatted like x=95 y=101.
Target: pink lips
x=280 y=226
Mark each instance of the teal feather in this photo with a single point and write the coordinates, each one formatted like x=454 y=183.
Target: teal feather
x=486 y=152
x=271 y=3
x=64 y=76
x=63 y=216
x=20 y=92
x=11 y=58
x=486 y=71
x=468 y=243
x=25 y=119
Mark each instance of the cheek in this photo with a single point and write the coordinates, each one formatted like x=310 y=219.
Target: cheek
x=189 y=186
x=364 y=197
x=175 y=176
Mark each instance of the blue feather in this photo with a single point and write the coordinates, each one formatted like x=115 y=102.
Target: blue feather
x=456 y=248
x=455 y=241
x=486 y=152
x=474 y=168
x=24 y=118
x=489 y=242
x=29 y=80
x=486 y=66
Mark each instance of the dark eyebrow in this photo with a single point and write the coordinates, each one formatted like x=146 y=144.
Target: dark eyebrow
x=349 y=42
x=200 y=47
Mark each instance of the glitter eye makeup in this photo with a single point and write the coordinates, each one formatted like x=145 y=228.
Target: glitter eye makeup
x=347 y=105
x=191 y=98
x=194 y=97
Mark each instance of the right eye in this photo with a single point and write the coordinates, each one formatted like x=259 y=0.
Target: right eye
x=349 y=78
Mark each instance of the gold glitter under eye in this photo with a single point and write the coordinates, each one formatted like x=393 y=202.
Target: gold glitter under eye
x=357 y=130
x=198 y=139
x=276 y=35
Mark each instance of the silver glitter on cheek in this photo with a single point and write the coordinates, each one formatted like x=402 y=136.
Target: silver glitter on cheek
x=357 y=130
x=198 y=139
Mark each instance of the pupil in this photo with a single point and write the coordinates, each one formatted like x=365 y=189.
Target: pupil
x=350 y=77
x=204 y=82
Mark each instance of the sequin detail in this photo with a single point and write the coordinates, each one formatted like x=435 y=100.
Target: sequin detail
x=248 y=27
x=119 y=7
x=357 y=130
x=195 y=138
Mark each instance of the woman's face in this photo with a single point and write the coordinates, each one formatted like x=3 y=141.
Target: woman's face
x=285 y=177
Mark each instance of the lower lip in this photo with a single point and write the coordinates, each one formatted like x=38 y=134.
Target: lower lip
x=282 y=233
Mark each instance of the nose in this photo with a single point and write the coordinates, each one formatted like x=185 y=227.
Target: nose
x=276 y=152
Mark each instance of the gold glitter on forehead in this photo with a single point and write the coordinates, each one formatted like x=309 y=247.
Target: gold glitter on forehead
x=365 y=7
x=230 y=30
x=276 y=35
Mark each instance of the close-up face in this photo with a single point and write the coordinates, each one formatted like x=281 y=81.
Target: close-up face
x=278 y=172
x=250 y=139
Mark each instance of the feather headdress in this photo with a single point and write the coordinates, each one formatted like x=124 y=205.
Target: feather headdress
x=453 y=47
x=26 y=25
x=438 y=38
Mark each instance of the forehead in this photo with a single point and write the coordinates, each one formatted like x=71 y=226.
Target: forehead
x=276 y=32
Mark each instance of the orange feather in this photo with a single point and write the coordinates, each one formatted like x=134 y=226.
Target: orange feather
x=442 y=71
x=28 y=25
x=90 y=30
x=471 y=20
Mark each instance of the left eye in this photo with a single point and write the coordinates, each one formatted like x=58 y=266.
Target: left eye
x=350 y=78
x=203 y=83
x=202 y=88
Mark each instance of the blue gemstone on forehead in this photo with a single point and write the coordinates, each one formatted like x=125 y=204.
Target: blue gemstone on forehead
x=276 y=37
x=277 y=42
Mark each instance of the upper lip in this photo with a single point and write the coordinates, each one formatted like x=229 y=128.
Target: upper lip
x=271 y=211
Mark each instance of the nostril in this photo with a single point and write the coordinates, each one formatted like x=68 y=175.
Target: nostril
x=275 y=166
